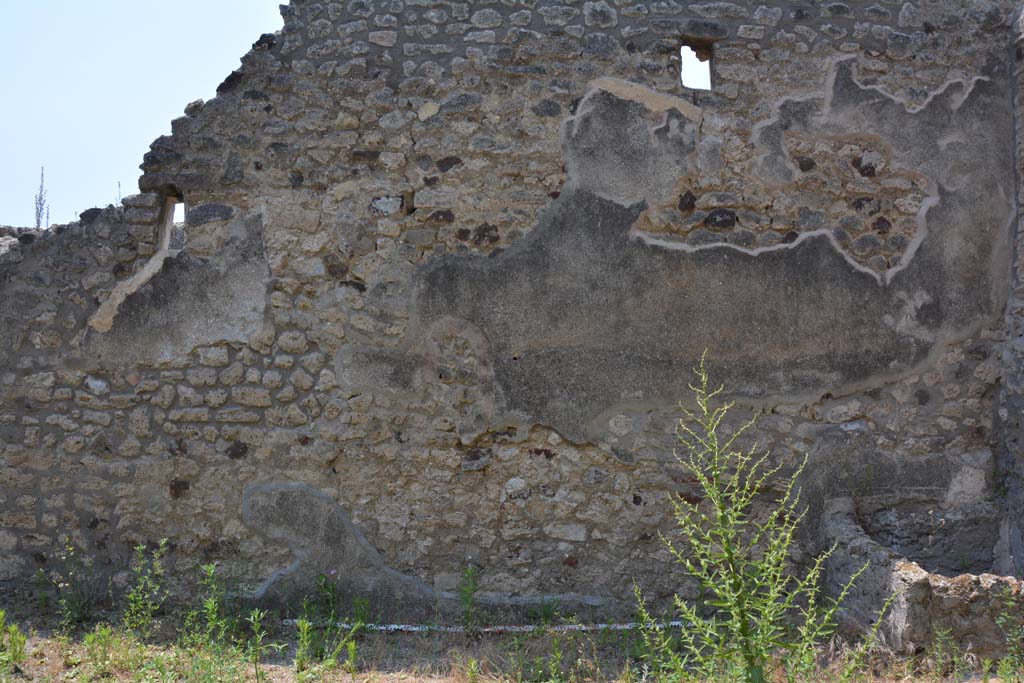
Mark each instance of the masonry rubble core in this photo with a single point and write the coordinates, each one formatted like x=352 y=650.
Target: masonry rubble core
x=446 y=267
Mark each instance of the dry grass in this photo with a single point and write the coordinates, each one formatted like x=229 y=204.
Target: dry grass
x=395 y=658
x=180 y=653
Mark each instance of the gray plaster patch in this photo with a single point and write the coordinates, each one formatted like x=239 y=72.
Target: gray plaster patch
x=582 y=316
x=628 y=149
x=192 y=302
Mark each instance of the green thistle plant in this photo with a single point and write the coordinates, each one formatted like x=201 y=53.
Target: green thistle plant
x=754 y=612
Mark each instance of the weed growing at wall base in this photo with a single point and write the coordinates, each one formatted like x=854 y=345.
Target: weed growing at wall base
x=211 y=624
x=80 y=588
x=753 y=612
x=1011 y=622
x=469 y=584
x=12 y=645
x=147 y=593
x=251 y=651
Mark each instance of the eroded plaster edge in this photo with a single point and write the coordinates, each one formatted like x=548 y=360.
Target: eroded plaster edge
x=650 y=98
x=654 y=100
x=968 y=85
x=103 y=319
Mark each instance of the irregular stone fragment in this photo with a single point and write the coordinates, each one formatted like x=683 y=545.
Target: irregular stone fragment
x=486 y=18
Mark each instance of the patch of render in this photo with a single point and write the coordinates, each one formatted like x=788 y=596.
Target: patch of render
x=568 y=336
x=103 y=319
x=884 y=278
x=211 y=291
x=940 y=590
x=653 y=100
x=322 y=537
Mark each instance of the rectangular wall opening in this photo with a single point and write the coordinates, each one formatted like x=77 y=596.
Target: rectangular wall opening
x=695 y=67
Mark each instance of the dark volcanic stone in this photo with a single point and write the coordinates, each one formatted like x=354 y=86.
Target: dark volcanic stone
x=89 y=215
x=806 y=164
x=547 y=108
x=721 y=219
x=687 y=202
x=206 y=213
x=448 y=163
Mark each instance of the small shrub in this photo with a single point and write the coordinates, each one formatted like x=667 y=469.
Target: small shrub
x=42 y=206
x=80 y=588
x=12 y=645
x=14 y=649
x=99 y=650
x=473 y=670
x=942 y=654
x=1010 y=671
x=320 y=632
x=211 y=624
x=469 y=584
x=753 y=610
x=854 y=659
x=43 y=590
x=304 y=645
x=361 y=610
x=147 y=594
x=1010 y=620
x=556 y=660
x=325 y=605
x=351 y=663
x=205 y=665
x=545 y=614
x=257 y=645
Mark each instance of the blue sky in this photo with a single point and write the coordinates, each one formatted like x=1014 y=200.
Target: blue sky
x=88 y=84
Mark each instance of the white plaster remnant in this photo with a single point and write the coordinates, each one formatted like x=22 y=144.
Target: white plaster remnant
x=967 y=487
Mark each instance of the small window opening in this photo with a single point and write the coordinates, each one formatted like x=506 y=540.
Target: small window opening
x=172 y=233
x=695 y=67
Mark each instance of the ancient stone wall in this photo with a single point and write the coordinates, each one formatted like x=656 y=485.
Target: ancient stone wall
x=447 y=265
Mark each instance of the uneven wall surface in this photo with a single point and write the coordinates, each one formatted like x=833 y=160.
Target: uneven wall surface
x=447 y=266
